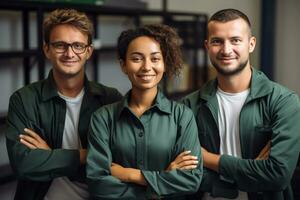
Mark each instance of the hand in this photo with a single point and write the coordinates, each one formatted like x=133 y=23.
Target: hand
x=129 y=175
x=184 y=161
x=265 y=152
x=82 y=156
x=32 y=140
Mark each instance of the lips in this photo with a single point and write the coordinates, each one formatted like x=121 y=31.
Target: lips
x=226 y=59
x=69 y=62
x=146 y=77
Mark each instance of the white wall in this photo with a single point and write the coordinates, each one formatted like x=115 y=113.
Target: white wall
x=287 y=49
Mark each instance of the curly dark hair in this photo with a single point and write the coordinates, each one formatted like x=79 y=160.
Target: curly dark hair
x=70 y=17
x=166 y=36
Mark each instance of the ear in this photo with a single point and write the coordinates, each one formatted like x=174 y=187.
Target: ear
x=89 y=51
x=46 y=50
x=252 y=43
x=206 y=44
x=123 y=66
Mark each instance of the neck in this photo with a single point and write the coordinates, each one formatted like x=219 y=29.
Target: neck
x=69 y=86
x=141 y=100
x=235 y=83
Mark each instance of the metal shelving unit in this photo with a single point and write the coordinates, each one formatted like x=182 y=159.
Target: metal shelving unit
x=40 y=8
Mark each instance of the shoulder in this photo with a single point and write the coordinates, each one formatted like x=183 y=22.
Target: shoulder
x=104 y=91
x=282 y=96
x=181 y=111
x=108 y=111
x=274 y=96
x=31 y=91
x=191 y=99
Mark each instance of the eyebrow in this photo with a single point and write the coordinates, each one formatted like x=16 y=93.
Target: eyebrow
x=139 y=53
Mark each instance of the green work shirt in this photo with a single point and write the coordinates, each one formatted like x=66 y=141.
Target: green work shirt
x=270 y=113
x=39 y=107
x=149 y=143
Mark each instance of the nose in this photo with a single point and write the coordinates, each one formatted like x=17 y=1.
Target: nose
x=69 y=52
x=226 y=48
x=147 y=64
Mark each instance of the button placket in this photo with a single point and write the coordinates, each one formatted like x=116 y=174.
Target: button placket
x=140 y=146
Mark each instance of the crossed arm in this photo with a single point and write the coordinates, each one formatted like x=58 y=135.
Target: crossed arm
x=184 y=160
x=211 y=160
x=33 y=141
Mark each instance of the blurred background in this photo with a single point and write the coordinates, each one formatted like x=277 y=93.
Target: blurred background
x=275 y=24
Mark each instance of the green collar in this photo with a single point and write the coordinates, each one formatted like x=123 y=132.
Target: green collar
x=162 y=103
x=260 y=86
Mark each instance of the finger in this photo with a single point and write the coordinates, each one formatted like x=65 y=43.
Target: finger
x=186 y=158
x=29 y=139
x=187 y=163
x=32 y=133
x=183 y=156
x=184 y=153
x=189 y=167
x=29 y=145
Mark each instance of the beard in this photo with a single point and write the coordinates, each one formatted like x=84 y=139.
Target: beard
x=221 y=70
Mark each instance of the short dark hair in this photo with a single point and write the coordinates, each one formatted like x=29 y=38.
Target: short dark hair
x=71 y=17
x=166 y=36
x=230 y=14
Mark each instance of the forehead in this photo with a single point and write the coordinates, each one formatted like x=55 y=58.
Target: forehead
x=143 y=44
x=67 y=33
x=233 y=28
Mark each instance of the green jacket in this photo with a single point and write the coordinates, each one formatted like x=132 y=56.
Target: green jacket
x=271 y=112
x=38 y=106
x=149 y=143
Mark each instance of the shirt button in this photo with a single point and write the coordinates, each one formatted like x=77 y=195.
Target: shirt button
x=141 y=134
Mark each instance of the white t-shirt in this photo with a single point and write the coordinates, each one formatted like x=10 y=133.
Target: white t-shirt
x=62 y=188
x=230 y=105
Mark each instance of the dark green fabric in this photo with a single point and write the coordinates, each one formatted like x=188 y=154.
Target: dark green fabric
x=148 y=143
x=38 y=106
x=271 y=112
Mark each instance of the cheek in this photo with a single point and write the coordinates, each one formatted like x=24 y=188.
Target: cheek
x=213 y=50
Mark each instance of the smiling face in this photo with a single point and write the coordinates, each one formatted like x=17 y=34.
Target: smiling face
x=144 y=63
x=67 y=64
x=229 y=45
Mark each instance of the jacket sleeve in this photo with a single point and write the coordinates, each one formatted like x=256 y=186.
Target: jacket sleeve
x=163 y=184
x=37 y=164
x=273 y=174
x=102 y=185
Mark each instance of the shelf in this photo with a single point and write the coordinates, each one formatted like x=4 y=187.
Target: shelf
x=91 y=9
x=191 y=28
x=18 y=53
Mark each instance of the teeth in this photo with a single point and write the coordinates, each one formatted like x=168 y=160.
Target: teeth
x=146 y=77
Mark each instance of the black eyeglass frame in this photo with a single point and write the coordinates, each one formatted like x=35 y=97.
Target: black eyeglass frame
x=67 y=45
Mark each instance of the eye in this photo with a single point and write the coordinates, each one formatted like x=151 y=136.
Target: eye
x=235 y=41
x=136 y=59
x=215 y=41
x=155 y=59
x=78 y=45
x=59 y=45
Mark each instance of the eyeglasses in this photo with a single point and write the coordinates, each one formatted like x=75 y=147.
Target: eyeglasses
x=62 y=47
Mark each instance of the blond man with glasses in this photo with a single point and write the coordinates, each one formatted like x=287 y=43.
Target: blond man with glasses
x=48 y=120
